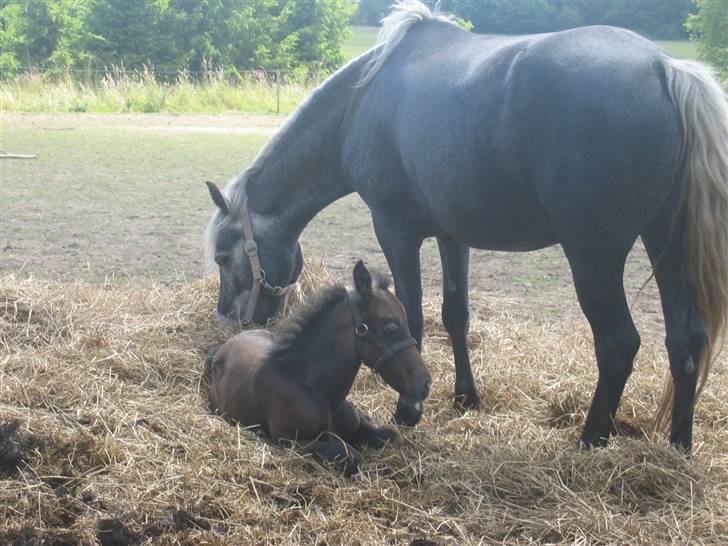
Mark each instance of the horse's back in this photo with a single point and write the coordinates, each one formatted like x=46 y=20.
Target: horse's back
x=508 y=131
x=233 y=374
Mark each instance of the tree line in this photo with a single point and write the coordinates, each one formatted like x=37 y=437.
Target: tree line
x=660 y=19
x=297 y=36
x=172 y=35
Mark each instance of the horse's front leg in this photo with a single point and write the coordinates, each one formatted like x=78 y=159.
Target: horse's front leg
x=455 y=317
x=335 y=451
x=313 y=431
x=355 y=428
x=401 y=246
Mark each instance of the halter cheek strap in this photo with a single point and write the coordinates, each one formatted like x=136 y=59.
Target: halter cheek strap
x=251 y=251
x=363 y=333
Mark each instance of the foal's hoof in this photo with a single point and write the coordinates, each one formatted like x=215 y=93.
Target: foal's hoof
x=351 y=465
x=407 y=415
x=382 y=437
x=467 y=401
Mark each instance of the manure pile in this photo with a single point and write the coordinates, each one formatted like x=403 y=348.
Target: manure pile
x=105 y=436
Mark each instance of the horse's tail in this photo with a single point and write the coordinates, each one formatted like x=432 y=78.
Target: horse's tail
x=703 y=178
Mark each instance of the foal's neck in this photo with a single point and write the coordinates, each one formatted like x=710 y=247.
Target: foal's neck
x=328 y=362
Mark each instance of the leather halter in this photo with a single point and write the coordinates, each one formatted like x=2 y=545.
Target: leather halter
x=251 y=251
x=363 y=333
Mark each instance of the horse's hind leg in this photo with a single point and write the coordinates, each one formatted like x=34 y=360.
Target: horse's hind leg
x=455 y=317
x=685 y=331
x=598 y=273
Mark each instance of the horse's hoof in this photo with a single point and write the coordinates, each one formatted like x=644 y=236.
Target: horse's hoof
x=407 y=415
x=467 y=401
x=588 y=443
x=382 y=437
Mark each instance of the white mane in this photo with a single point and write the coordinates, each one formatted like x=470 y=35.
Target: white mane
x=404 y=15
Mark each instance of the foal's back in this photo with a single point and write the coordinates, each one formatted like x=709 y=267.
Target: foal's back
x=233 y=374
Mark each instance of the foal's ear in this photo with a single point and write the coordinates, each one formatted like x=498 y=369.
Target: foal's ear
x=218 y=198
x=362 y=279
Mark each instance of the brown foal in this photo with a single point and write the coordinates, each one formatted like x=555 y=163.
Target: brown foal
x=294 y=385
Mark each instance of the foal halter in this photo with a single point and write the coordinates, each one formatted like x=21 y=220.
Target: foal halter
x=363 y=333
x=251 y=251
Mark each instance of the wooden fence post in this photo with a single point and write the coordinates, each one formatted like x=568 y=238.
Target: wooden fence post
x=278 y=91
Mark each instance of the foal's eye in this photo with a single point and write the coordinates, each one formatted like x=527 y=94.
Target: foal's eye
x=391 y=329
x=221 y=259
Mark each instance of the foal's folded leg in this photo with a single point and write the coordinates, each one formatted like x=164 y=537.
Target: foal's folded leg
x=335 y=450
x=356 y=428
x=306 y=421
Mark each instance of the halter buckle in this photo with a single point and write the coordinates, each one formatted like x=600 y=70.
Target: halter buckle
x=250 y=248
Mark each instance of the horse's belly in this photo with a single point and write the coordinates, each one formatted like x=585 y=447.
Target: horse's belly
x=506 y=229
x=485 y=213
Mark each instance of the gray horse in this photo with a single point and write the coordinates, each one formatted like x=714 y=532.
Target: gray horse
x=587 y=138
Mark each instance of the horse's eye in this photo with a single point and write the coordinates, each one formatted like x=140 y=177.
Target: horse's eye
x=222 y=258
x=391 y=329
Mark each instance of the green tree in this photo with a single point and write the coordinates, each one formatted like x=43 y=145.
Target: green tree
x=654 y=18
x=370 y=12
x=319 y=27
x=43 y=34
x=10 y=39
x=709 y=26
x=131 y=33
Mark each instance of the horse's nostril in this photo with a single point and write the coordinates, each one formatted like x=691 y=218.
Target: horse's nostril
x=428 y=383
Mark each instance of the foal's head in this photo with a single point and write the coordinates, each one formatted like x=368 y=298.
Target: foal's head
x=384 y=342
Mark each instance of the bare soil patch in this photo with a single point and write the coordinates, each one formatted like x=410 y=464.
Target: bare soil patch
x=122 y=196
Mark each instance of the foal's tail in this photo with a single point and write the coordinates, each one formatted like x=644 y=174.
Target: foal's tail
x=703 y=177
x=209 y=357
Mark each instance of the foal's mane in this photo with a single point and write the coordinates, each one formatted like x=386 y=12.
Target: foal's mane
x=297 y=330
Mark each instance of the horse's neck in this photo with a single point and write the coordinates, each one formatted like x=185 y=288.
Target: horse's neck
x=299 y=172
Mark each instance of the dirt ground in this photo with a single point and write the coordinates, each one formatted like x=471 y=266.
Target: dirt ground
x=121 y=196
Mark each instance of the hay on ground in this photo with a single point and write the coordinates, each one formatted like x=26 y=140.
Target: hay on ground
x=107 y=437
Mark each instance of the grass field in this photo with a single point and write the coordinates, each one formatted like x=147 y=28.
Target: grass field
x=105 y=186
x=682 y=49
x=360 y=39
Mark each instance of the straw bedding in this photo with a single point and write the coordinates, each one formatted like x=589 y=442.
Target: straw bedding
x=106 y=437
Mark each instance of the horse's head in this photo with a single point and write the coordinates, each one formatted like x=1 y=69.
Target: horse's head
x=384 y=341
x=256 y=267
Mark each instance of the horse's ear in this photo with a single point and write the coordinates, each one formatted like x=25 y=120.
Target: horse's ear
x=362 y=279
x=218 y=198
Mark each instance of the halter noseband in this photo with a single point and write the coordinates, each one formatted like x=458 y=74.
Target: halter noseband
x=363 y=333
x=251 y=251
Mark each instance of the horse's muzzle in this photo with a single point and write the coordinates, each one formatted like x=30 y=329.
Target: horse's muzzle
x=408 y=414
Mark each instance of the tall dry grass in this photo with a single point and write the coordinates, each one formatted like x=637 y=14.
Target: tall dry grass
x=106 y=384
x=143 y=92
